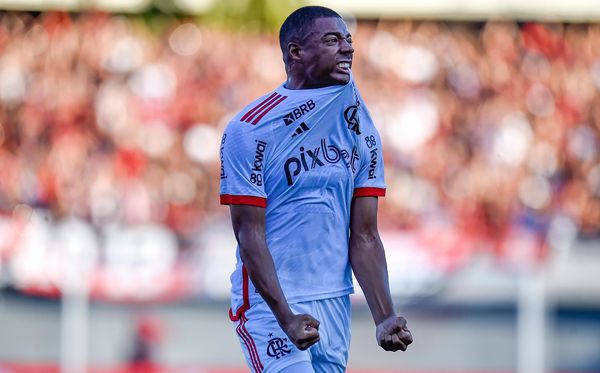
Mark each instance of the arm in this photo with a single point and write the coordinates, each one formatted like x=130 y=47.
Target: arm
x=367 y=258
x=249 y=227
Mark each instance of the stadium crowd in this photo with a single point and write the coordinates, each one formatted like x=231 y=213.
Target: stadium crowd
x=485 y=126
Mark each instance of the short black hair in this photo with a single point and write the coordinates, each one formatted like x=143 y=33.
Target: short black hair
x=296 y=24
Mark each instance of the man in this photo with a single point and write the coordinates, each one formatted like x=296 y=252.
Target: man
x=302 y=170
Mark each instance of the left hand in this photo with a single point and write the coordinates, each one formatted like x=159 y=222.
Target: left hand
x=393 y=334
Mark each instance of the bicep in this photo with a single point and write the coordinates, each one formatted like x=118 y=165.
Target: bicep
x=247 y=221
x=363 y=215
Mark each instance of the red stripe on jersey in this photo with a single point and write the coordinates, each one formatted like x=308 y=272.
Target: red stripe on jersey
x=263 y=103
x=369 y=192
x=265 y=111
x=230 y=199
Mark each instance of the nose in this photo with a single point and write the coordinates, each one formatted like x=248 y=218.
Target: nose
x=346 y=46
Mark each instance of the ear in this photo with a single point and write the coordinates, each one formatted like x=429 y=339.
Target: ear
x=294 y=51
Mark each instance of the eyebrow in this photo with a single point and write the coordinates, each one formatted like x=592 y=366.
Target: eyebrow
x=336 y=33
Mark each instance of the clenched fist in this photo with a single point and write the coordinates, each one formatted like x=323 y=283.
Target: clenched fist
x=393 y=334
x=303 y=331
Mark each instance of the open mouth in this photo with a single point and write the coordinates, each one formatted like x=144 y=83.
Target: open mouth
x=344 y=66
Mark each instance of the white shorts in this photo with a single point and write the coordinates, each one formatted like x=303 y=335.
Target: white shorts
x=267 y=348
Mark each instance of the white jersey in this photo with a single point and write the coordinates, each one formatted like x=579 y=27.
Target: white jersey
x=303 y=155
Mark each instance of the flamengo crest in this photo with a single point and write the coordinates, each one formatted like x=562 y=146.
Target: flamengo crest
x=277 y=347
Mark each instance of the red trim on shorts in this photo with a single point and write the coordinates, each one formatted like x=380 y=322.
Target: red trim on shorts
x=230 y=199
x=241 y=317
x=369 y=192
x=250 y=345
x=249 y=342
x=245 y=296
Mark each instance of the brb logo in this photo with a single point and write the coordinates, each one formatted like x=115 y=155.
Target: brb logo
x=256 y=177
x=318 y=157
x=291 y=117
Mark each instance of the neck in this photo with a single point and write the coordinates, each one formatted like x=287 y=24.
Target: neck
x=297 y=82
x=302 y=82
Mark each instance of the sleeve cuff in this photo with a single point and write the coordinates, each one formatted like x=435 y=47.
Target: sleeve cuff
x=230 y=199
x=369 y=192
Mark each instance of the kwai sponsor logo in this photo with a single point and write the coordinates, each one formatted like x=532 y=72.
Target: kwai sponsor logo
x=256 y=176
x=223 y=176
x=372 y=145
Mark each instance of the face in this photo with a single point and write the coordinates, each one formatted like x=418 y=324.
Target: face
x=326 y=53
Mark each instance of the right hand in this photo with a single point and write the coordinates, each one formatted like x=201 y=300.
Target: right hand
x=392 y=334
x=303 y=331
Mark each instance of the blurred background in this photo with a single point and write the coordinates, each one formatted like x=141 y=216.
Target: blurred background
x=115 y=254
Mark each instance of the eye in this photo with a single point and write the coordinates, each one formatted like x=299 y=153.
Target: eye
x=349 y=39
x=331 y=40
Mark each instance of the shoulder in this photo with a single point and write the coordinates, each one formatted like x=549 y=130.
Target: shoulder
x=256 y=112
x=246 y=119
x=358 y=114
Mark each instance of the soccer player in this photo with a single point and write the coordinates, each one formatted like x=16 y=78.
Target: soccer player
x=302 y=171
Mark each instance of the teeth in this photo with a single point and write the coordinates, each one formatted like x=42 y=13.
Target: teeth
x=344 y=65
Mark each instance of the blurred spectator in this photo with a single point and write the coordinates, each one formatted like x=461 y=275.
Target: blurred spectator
x=148 y=333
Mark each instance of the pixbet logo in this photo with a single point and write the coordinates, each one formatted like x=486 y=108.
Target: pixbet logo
x=256 y=177
x=309 y=159
x=291 y=117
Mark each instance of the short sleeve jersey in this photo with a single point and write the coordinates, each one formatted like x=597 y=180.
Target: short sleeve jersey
x=302 y=155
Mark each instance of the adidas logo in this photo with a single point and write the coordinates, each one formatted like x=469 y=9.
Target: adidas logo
x=300 y=129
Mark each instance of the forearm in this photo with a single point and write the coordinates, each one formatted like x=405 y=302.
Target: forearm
x=259 y=264
x=367 y=258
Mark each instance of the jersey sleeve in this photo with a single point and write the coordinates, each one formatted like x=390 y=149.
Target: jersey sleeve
x=242 y=164
x=369 y=180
